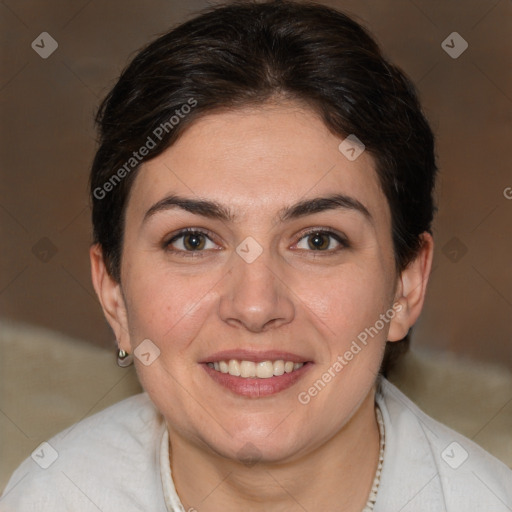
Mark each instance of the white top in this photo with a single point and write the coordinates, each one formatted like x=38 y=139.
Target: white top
x=118 y=460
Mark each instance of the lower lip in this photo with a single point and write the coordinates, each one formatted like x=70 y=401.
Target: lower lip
x=257 y=388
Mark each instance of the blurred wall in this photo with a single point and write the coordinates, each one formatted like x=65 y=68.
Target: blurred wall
x=47 y=143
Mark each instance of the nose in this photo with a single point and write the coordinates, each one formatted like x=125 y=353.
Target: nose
x=255 y=296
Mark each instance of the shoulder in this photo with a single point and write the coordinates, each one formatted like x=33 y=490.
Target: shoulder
x=102 y=461
x=430 y=467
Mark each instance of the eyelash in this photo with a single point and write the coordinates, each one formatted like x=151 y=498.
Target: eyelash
x=181 y=234
x=340 y=239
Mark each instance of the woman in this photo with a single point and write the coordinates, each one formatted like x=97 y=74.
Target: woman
x=262 y=204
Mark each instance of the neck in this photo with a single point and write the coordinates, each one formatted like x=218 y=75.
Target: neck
x=338 y=475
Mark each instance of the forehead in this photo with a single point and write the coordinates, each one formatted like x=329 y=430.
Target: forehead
x=257 y=161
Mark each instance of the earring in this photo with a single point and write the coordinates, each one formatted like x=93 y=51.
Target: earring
x=124 y=359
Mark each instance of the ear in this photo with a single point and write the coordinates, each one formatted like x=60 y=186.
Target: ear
x=411 y=289
x=111 y=298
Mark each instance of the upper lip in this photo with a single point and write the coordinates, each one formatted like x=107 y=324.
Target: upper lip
x=256 y=356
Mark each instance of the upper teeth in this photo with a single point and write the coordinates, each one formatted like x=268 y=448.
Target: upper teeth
x=262 y=369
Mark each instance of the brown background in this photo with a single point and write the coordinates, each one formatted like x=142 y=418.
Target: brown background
x=47 y=142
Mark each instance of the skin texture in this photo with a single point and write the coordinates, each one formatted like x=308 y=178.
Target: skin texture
x=255 y=162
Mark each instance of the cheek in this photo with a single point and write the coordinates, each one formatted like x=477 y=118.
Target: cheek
x=348 y=301
x=166 y=307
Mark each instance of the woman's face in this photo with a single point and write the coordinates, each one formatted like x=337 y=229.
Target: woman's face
x=253 y=239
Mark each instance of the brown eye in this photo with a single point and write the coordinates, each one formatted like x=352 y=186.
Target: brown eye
x=190 y=241
x=194 y=241
x=318 y=241
x=322 y=241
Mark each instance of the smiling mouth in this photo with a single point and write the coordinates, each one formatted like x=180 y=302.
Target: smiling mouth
x=255 y=370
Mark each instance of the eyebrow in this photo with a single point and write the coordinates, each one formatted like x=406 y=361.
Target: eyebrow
x=214 y=210
x=320 y=204
x=209 y=209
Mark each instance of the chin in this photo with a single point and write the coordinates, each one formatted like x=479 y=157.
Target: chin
x=251 y=446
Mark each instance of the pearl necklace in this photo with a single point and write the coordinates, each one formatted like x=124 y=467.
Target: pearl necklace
x=376 y=481
x=172 y=500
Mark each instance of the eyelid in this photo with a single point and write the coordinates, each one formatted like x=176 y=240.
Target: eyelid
x=182 y=232
x=338 y=236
